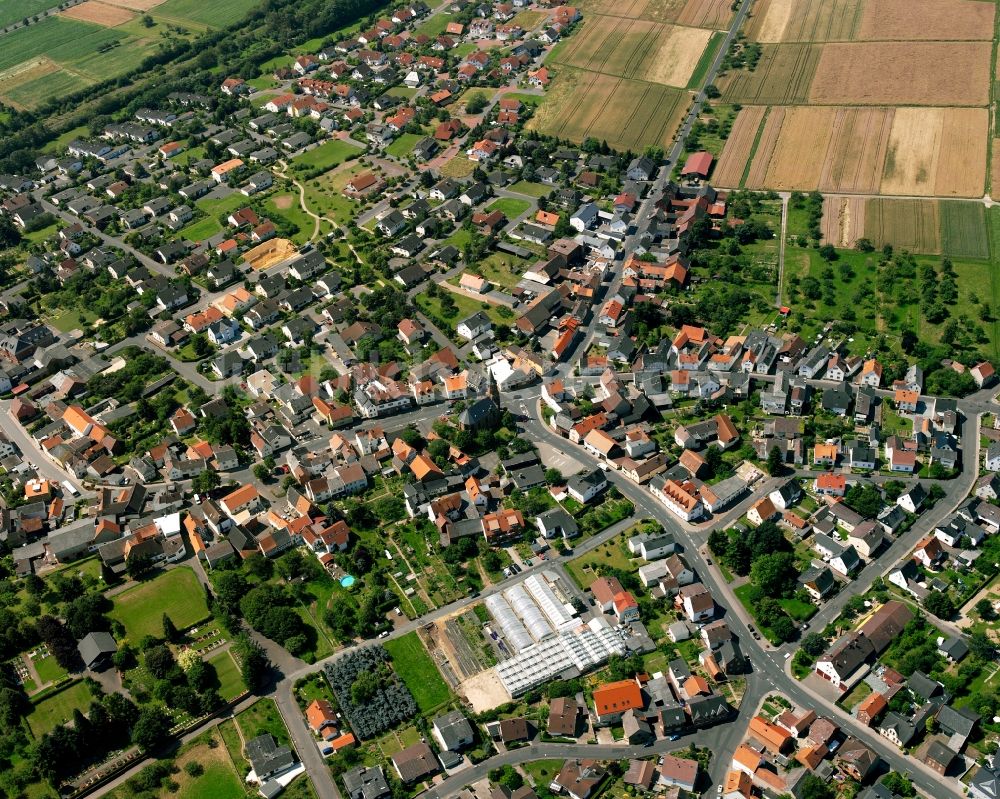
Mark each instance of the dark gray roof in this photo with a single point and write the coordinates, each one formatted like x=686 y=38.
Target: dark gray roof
x=94 y=646
x=266 y=757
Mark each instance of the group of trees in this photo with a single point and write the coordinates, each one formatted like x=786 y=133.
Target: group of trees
x=765 y=555
x=368 y=692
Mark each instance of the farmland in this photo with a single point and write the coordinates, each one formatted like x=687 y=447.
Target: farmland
x=628 y=114
x=94 y=41
x=910 y=151
x=699 y=13
x=886 y=20
x=16 y=10
x=639 y=49
x=783 y=76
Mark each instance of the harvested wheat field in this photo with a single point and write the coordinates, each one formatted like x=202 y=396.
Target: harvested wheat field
x=856 y=155
x=136 y=5
x=782 y=77
x=732 y=164
x=961 y=168
x=99 y=13
x=903 y=73
x=807 y=21
x=913 y=225
x=675 y=60
x=936 y=151
x=798 y=159
x=941 y=20
x=714 y=14
x=628 y=114
x=23 y=73
x=843 y=221
x=756 y=176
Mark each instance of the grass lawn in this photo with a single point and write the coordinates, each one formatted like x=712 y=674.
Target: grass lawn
x=466 y=306
x=510 y=207
x=543 y=771
x=611 y=553
x=58 y=708
x=534 y=100
x=529 y=20
x=230 y=682
x=327 y=155
x=406 y=92
x=416 y=669
x=291 y=211
x=202 y=229
x=224 y=205
x=798 y=610
x=176 y=592
x=49 y=670
x=403 y=146
x=503 y=270
x=68 y=320
x=41 y=234
x=261 y=717
x=458 y=167
x=857 y=694
x=530 y=189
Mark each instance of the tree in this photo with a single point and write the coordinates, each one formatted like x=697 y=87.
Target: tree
x=170 y=631
x=774 y=574
x=364 y=688
x=985 y=609
x=940 y=604
x=981 y=646
x=261 y=472
x=152 y=728
x=255 y=667
x=10 y=236
x=159 y=662
x=139 y=567
x=205 y=481
x=814 y=644
x=899 y=784
x=775 y=462
x=812 y=787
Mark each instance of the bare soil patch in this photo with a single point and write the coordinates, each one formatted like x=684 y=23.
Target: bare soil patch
x=995 y=167
x=903 y=73
x=99 y=13
x=283 y=202
x=941 y=20
x=272 y=252
x=733 y=161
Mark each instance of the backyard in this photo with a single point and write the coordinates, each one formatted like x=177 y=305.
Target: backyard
x=57 y=708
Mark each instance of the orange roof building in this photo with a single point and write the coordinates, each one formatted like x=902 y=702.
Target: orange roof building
x=771 y=735
x=614 y=698
x=321 y=716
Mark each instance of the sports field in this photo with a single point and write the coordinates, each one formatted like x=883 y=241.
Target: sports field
x=176 y=592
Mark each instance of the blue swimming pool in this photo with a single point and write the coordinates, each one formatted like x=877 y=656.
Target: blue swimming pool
x=347 y=581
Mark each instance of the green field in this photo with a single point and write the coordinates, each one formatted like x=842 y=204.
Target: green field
x=530 y=189
x=403 y=146
x=612 y=553
x=62 y=40
x=415 y=668
x=202 y=229
x=705 y=62
x=963 y=227
x=217 y=14
x=176 y=592
x=231 y=683
x=466 y=306
x=33 y=92
x=58 y=708
x=510 y=207
x=262 y=717
x=328 y=155
x=49 y=670
x=225 y=205
x=16 y=10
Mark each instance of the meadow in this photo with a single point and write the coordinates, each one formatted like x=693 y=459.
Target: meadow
x=176 y=593
x=16 y=10
x=416 y=669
